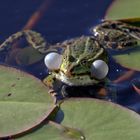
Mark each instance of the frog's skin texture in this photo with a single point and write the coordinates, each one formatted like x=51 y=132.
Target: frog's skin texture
x=33 y=38
x=116 y=34
x=78 y=56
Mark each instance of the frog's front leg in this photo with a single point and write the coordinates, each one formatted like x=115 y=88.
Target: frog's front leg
x=54 y=86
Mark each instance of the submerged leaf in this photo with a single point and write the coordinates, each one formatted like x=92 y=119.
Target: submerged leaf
x=28 y=56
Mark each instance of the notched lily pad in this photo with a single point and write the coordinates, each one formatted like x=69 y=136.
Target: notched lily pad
x=99 y=120
x=24 y=102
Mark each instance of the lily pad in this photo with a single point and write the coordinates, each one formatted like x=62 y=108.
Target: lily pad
x=99 y=120
x=49 y=131
x=24 y=102
x=123 y=9
x=130 y=59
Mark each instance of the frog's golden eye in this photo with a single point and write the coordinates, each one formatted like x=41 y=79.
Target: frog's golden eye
x=53 y=60
x=99 y=69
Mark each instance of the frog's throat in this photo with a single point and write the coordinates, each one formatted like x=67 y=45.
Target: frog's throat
x=82 y=80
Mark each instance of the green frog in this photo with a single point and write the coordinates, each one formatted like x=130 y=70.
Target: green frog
x=77 y=59
x=76 y=65
x=117 y=34
x=83 y=61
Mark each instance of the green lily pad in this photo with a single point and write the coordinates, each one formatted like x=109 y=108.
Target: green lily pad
x=24 y=102
x=123 y=9
x=130 y=59
x=49 y=131
x=99 y=120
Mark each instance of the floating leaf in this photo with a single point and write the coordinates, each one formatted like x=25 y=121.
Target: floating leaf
x=123 y=9
x=49 y=131
x=24 y=102
x=99 y=120
x=130 y=59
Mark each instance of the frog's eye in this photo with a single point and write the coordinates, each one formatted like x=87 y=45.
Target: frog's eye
x=99 y=69
x=53 y=60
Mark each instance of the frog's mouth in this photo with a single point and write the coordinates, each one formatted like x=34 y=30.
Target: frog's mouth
x=77 y=80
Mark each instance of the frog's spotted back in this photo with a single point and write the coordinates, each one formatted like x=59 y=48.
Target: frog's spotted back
x=116 y=34
x=83 y=47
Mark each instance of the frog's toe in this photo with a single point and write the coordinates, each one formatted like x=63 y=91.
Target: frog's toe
x=53 y=93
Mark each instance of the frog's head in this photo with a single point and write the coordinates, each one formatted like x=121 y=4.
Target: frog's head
x=78 y=60
x=115 y=34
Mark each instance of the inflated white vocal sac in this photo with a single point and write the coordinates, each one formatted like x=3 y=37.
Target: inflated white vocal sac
x=53 y=60
x=99 y=69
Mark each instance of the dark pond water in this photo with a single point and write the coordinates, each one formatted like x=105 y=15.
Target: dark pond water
x=64 y=20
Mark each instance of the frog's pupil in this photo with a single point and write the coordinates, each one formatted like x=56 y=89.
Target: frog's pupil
x=113 y=25
x=83 y=62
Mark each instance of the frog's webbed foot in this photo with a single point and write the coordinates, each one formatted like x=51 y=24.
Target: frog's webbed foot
x=54 y=86
x=54 y=94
